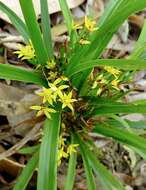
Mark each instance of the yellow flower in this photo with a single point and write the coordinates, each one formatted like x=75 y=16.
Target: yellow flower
x=64 y=78
x=90 y=24
x=76 y=26
x=84 y=41
x=112 y=70
x=101 y=81
x=61 y=154
x=115 y=84
x=61 y=142
x=67 y=100
x=50 y=64
x=47 y=95
x=99 y=77
x=63 y=126
x=94 y=85
x=43 y=110
x=26 y=52
x=99 y=91
x=52 y=75
x=72 y=148
x=57 y=91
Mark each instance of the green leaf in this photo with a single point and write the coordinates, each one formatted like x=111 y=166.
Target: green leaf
x=16 y=21
x=123 y=136
x=34 y=30
x=100 y=101
x=67 y=15
x=47 y=173
x=88 y=170
x=46 y=27
x=104 y=106
x=123 y=64
x=27 y=173
x=107 y=180
x=142 y=37
x=29 y=150
x=109 y=10
x=116 y=16
x=16 y=73
x=140 y=44
x=111 y=21
x=89 y=174
x=117 y=109
x=132 y=124
x=69 y=182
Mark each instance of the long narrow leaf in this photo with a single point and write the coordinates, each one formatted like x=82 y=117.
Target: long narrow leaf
x=46 y=27
x=67 y=14
x=105 y=106
x=142 y=38
x=100 y=39
x=123 y=64
x=111 y=7
x=107 y=180
x=117 y=12
x=16 y=21
x=140 y=45
x=71 y=169
x=15 y=73
x=116 y=109
x=34 y=30
x=27 y=173
x=47 y=173
x=110 y=26
x=89 y=175
x=88 y=170
x=132 y=124
x=122 y=136
x=29 y=150
x=99 y=101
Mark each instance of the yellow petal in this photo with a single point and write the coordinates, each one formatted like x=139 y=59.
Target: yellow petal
x=84 y=42
x=35 y=107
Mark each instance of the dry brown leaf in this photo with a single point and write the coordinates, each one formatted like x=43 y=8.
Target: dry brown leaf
x=15 y=101
x=53 y=7
x=11 y=167
x=138 y=20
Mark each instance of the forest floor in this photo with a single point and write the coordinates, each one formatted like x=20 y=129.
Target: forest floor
x=16 y=120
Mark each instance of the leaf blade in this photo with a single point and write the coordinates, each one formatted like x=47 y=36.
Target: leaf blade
x=116 y=109
x=108 y=181
x=46 y=28
x=69 y=182
x=16 y=21
x=47 y=175
x=123 y=64
x=15 y=73
x=27 y=173
x=122 y=136
x=88 y=171
x=67 y=15
x=101 y=37
x=34 y=30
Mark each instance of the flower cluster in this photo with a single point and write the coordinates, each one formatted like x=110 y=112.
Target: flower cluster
x=107 y=80
x=89 y=26
x=116 y=73
x=113 y=71
x=55 y=93
x=43 y=111
x=26 y=52
x=65 y=151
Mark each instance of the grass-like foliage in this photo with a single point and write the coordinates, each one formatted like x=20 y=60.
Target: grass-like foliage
x=74 y=94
